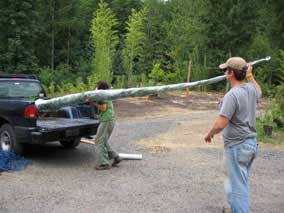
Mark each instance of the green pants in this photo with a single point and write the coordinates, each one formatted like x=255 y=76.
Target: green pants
x=104 y=152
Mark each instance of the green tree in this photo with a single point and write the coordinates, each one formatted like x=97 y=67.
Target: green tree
x=231 y=28
x=104 y=40
x=154 y=46
x=185 y=34
x=133 y=42
x=279 y=29
x=280 y=70
x=122 y=9
x=19 y=29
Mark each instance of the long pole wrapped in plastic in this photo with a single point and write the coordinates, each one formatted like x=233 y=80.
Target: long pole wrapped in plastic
x=100 y=95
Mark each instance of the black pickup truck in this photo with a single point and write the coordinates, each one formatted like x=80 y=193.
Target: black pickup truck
x=20 y=123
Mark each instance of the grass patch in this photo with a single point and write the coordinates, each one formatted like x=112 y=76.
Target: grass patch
x=277 y=137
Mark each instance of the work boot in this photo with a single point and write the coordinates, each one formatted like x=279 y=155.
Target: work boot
x=116 y=161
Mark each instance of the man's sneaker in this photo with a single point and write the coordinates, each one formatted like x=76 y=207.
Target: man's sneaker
x=116 y=161
x=226 y=210
x=103 y=167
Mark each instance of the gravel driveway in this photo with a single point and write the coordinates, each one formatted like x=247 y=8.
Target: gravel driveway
x=178 y=172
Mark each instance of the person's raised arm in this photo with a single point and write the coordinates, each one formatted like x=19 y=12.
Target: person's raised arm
x=252 y=80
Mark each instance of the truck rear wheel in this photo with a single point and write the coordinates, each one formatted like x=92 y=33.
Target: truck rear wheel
x=71 y=143
x=8 y=141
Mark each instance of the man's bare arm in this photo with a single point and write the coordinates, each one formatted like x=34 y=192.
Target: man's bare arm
x=252 y=80
x=102 y=107
x=220 y=123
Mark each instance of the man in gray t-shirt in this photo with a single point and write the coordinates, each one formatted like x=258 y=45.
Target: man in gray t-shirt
x=237 y=118
x=239 y=106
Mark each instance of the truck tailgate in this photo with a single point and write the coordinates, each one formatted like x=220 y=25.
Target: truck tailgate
x=56 y=129
x=50 y=124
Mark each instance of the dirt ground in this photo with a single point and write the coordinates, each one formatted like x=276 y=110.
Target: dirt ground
x=179 y=172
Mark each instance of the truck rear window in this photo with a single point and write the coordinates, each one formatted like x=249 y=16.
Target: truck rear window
x=19 y=89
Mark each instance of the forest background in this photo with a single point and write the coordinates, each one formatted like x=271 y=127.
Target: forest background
x=71 y=44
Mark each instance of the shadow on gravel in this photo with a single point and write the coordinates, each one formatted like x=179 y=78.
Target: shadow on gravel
x=54 y=153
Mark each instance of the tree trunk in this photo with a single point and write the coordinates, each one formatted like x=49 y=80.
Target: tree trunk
x=188 y=76
x=68 y=46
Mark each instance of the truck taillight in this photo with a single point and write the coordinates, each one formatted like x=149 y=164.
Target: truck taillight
x=30 y=111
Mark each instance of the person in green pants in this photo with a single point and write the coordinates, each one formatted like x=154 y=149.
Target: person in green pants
x=104 y=153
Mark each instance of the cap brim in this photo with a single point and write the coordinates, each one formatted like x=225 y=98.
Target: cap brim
x=223 y=66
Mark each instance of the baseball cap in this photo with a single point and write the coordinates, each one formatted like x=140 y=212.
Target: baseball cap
x=236 y=63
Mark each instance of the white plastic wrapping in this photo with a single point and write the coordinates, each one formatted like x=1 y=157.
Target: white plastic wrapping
x=100 y=95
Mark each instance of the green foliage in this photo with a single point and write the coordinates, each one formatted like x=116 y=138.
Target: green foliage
x=267 y=118
x=46 y=76
x=50 y=89
x=104 y=41
x=92 y=81
x=185 y=34
x=120 y=81
x=122 y=9
x=62 y=74
x=171 y=78
x=59 y=81
x=18 y=29
x=52 y=38
x=154 y=45
x=279 y=101
x=81 y=86
x=274 y=115
x=276 y=138
x=280 y=70
x=133 y=41
x=265 y=73
x=157 y=74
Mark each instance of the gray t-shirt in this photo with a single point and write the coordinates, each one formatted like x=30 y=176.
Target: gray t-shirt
x=239 y=106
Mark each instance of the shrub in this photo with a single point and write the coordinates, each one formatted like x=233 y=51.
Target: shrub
x=157 y=74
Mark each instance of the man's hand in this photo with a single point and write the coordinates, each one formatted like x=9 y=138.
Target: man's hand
x=220 y=123
x=249 y=70
x=208 y=137
x=250 y=78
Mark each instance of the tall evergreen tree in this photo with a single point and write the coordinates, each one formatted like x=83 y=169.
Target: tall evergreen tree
x=133 y=42
x=104 y=40
x=122 y=10
x=279 y=10
x=154 y=47
x=231 y=27
x=280 y=70
x=185 y=33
